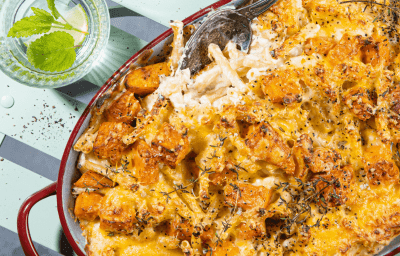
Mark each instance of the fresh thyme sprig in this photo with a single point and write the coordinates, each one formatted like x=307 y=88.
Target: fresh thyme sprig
x=226 y=223
x=299 y=206
x=373 y=3
x=389 y=15
x=183 y=188
x=208 y=249
x=235 y=168
x=221 y=142
x=237 y=189
x=283 y=185
x=101 y=184
x=213 y=155
x=87 y=188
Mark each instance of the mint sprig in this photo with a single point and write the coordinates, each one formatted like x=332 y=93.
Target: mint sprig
x=29 y=26
x=39 y=23
x=43 y=15
x=53 y=9
x=53 y=51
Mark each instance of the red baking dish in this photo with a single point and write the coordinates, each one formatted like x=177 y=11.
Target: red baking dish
x=68 y=173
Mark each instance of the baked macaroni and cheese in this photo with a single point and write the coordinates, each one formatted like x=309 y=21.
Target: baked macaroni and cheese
x=291 y=149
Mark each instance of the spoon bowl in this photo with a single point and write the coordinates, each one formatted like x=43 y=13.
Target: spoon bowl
x=219 y=28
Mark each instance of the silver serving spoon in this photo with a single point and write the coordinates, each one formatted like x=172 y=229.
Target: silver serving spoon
x=219 y=28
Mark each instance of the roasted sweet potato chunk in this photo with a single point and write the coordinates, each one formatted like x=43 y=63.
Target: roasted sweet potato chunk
x=208 y=233
x=180 y=228
x=92 y=179
x=325 y=160
x=221 y=178
x=376 y=51
x=266 y=144
x=335 y=186
x=379 y=165
x=251 y=230
x=146 y=159
x=320 y=45
x=87 y=205
x=302 y=152
x=108 y=143
x=117 y=213
x=124 y=109
x=183 y=230
x=359 y=102
x=224 y=249
x=173 y=144
x=347 y=48
x=247 y=196
x=146 y=80
x=282 y=87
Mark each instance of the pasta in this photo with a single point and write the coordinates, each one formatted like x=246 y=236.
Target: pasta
x=289 y=149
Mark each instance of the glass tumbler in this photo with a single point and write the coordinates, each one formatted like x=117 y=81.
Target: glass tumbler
x=14 y=61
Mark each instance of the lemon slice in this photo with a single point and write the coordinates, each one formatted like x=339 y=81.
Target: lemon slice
x=77 y=17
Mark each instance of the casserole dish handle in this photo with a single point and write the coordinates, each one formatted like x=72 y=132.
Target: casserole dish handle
x=394 y=252
x=23 y=215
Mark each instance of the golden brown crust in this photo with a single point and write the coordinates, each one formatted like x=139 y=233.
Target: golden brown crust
x=108 y=143
x=266 y=144
x=379 y=166
x=287 y=14
x=172 y=144
x=376 y=51
x=302 y=154
x=320 y=45
x=247 y=196
x=282 y=87
x=251 y=230
x=348 y=48
x=359 y=102
x=180 y=228
x=394 y=105
x=117 y=214
x=226 y=248
x=325 y=160
x=226 y=176
x=339 y=192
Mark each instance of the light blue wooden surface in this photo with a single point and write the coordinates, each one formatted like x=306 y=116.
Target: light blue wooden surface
x=163 y=11
x=35 y=130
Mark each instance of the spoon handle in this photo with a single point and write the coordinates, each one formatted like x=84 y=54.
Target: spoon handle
x=254 y=10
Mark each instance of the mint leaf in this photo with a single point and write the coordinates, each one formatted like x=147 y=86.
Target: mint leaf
x=52 y=52
x=43 y=15
x=28 y=26
x=53 y=9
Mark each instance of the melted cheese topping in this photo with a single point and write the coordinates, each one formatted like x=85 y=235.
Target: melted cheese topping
x=293 y=146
